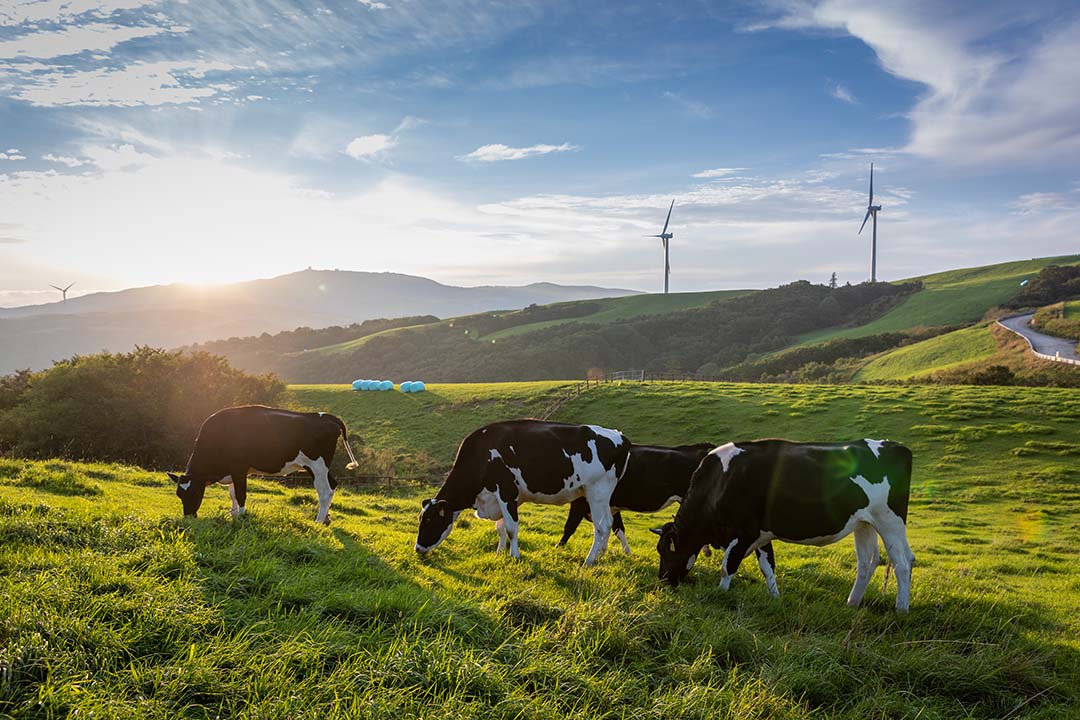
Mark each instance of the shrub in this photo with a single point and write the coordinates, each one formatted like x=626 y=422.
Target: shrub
x=143 y=407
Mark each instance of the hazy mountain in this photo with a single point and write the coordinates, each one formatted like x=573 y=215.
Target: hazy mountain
x=174 y=315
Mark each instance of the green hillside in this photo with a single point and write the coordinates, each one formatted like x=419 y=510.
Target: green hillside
x=630 y=306
x=955 y=297
x=938 y=353
x=116 y=607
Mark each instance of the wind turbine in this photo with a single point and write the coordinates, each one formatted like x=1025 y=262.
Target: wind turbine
x=664 y=237
x=872 y=209
x=63 y=290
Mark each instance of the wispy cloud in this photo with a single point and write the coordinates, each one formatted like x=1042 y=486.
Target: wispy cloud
x=141 y=83
x=1014 y=105
x=693 y=107
x=1044 y=202
x=18 y=12
x=63 y=160
x=842 y=94
x=374 y=4
x=718 y=172
x=498 y=152
x=12 y=154
x=96 y=37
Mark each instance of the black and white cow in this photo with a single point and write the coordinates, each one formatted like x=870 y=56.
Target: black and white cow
x=744 y=495
x=234 y=441
x=655 y=477
x=504 y=464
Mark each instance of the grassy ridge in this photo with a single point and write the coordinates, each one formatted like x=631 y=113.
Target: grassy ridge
x=630 y=306
x=937 y=353
x=120 y=608
x=950 y=298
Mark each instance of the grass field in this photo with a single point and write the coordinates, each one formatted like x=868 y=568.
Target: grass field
x=949 y=298
x=116 y=607
x=943 y=352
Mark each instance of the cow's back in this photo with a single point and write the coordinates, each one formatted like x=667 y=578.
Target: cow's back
x=260 y=437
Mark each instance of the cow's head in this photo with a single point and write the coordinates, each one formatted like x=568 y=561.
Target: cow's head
x=190 y=493
x=676 y=555
x=436 y=522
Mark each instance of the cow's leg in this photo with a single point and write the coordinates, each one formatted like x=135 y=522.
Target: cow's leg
x=238 y=492
x=579 y=510
x=767 y=563
x=599 y=496
x=619 y=530
x=500 y=525
x=510 y=523
x=894 y=534
x=324 y=490
x=867 y=559
x=733 y=555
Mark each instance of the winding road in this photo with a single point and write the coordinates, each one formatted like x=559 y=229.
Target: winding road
x=1047 y=346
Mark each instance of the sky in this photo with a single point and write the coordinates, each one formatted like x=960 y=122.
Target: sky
x=205 y=141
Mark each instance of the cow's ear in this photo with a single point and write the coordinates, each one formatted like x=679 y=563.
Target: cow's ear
x=425 y=503
x=174 y=477
x=658 y=531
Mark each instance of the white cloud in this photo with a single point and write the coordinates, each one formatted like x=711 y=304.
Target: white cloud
x=498 y=152
x=842 y=94
x=16 y=12
x=120 y=157
x=366 y=146
x=12 y=154
x=718 y=172
x=141 y=83
x=374 y=4
x=1043 y=202
x=63 y=160
x=72 y=40
x=1016 y=104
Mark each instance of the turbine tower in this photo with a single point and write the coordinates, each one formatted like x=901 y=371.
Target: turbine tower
x=63 y=290
x=664 y=237
x=872 y=209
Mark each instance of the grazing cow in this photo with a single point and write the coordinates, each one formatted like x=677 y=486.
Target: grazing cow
x=745 y=495
x=655 y=477
x=234 y=441
x=508 y=463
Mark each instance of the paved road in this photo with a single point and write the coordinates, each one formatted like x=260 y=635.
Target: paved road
x=1046 y=344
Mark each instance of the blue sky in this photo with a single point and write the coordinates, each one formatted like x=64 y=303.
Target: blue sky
x=478 y=142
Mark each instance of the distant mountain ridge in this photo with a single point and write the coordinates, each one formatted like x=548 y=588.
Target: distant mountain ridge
x=172 y=315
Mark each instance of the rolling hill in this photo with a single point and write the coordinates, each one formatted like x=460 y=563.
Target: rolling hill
x=175 y=315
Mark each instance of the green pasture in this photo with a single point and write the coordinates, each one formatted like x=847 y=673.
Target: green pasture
x=942 y=352
x=114 y=606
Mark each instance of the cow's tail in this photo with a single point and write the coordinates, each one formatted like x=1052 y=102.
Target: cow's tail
x=353 y=464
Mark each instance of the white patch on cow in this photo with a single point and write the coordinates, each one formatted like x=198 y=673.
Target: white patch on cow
x=237 y=509
x=322 y=414
x=614 y=436
x=227 y=480
x=690 y=561
x=875 y=446
x=494 y=454
x=421 y=549
x=621 y=534
x=726 y=453
x=725 y=578
x=185 y=486
x=767 y=571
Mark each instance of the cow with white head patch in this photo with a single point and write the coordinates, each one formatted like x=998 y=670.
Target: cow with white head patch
x=504 y=464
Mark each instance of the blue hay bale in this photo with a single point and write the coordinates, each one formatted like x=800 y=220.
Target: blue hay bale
x=419 y=386
x=386 y=385
x=356 y=384
x=406 y=387
x=367 y=385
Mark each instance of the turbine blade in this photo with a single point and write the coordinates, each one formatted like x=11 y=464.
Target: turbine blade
x=69 y=287
x=57 y=288
x=864 y=222
x=668 y=216
x=871 y=184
